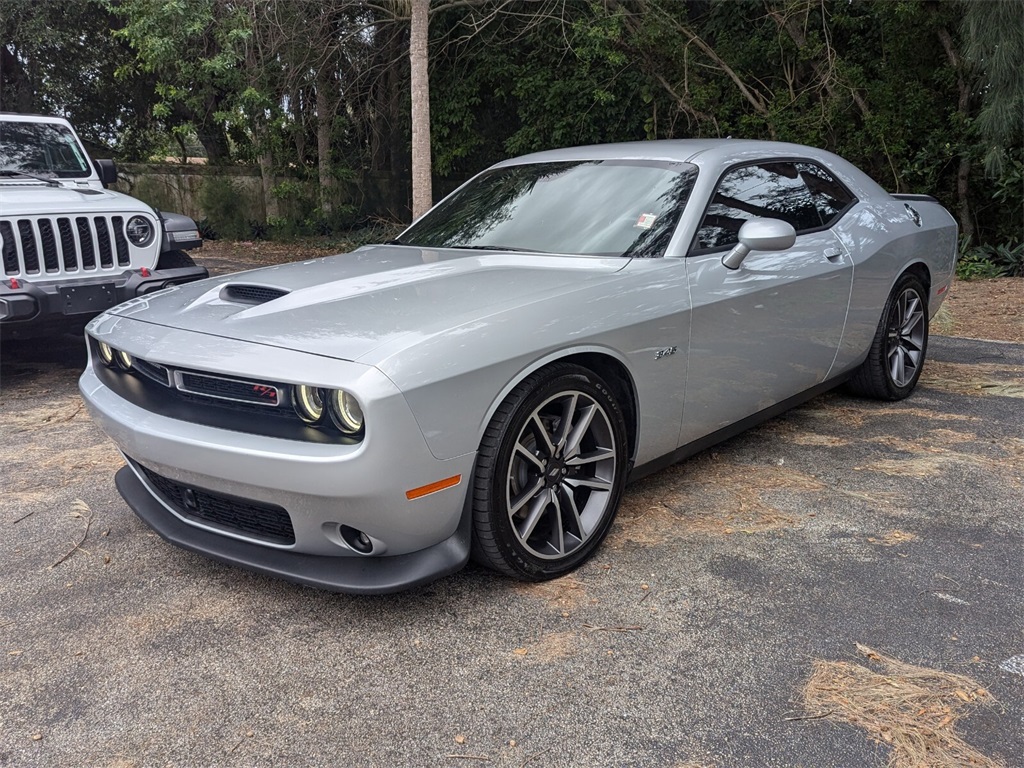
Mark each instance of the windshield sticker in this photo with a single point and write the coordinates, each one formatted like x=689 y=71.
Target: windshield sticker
x=646 y=221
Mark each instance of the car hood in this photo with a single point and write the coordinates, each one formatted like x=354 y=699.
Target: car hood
x=32 y=198
x=347 y=306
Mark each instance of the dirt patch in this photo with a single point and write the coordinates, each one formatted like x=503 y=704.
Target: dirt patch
x=974 y=379
x=564 y=594
x=913 y=710
x=892 y=538
x=550 y=647
x=986 y=309
x=821 y=441
x=263 y=252
x=932 y=453
x=707 y=496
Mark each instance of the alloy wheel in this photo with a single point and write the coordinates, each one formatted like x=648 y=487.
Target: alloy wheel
x=561 y=476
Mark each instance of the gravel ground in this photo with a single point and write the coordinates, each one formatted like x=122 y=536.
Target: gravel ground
x=687 y=641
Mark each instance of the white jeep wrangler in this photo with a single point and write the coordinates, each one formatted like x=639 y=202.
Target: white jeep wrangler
x=70 y=248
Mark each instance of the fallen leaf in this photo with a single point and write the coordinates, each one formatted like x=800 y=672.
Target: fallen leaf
x=460 y=739
x=963 y=695
x=520 y=651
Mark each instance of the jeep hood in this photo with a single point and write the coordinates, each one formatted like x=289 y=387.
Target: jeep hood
x=347 y=306
x=32 y=198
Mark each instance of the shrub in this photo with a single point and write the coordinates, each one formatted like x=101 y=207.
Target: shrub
x=987 y=261
x=226 y=208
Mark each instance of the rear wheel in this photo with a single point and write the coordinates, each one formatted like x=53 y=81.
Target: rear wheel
x=550 y=474
x=898 y=350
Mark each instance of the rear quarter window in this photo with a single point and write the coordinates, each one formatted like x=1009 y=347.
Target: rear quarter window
x=798 y=192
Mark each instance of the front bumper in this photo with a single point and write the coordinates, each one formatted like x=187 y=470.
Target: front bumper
x=357 y=575
x=326 y=490
x=33 y=305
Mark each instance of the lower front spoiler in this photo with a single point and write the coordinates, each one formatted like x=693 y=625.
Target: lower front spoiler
x=355 y=574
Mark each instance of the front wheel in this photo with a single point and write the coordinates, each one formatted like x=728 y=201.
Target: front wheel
x=898 y=350
x=550 y=474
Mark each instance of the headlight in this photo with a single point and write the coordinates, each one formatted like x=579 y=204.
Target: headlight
x=139 y=230
x=123 y=359
x=309 y=403
x=345 y=412
x=106 y=353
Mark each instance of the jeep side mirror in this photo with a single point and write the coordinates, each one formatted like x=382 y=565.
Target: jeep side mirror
x=760 y=235
x=107 y=171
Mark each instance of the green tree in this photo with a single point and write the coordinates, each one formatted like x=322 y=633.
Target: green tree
x=993 y=41
x=59 y=58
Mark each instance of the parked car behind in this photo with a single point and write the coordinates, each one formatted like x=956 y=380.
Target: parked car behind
x=71 y=248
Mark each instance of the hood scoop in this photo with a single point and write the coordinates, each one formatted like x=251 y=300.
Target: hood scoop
x=252 y=295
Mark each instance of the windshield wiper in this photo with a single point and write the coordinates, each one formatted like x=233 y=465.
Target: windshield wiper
x=49 y=182
x=497 y=248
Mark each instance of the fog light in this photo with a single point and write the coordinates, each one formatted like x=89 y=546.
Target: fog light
x=356 y=539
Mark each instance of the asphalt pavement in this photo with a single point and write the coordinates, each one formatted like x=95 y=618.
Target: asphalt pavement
x=687 y=640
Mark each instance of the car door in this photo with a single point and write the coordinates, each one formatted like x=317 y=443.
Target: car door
x=771 y=328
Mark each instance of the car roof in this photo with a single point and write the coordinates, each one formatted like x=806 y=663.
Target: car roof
x=25 y=117
x=714 y=154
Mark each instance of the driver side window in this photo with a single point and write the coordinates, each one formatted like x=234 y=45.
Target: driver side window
x=770 y=190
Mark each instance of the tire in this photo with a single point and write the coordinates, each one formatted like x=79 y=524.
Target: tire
x=549 y=475
x=174 y=260
x=898 y=350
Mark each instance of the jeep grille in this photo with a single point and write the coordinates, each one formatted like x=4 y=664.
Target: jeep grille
x=49 y=247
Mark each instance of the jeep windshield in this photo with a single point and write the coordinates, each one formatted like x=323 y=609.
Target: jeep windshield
x=42 y=149
x=590 y=208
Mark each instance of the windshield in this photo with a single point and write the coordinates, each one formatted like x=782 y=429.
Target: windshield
x=42 y=149
x=593 y=208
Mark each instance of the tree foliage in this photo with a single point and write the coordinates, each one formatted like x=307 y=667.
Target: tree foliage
x=922 y=94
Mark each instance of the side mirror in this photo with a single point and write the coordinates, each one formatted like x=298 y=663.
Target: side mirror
x=760 y=235
x=107 y=171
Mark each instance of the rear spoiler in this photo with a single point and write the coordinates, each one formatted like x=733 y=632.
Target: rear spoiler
x=913 y=198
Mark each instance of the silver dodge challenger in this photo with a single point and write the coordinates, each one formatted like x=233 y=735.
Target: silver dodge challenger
x=486 y=384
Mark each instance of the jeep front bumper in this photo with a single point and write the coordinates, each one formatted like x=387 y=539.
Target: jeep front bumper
x=26 y=305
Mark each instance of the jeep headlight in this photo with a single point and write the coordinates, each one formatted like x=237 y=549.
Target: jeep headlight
x=140 y=231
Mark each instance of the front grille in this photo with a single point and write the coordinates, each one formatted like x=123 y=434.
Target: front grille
x=237 y=390
x=47 y=247
x=266 y=522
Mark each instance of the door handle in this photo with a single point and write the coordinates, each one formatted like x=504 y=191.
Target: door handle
x=832 y=253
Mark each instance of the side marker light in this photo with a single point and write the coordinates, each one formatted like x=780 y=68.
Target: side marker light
x=440 y=485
